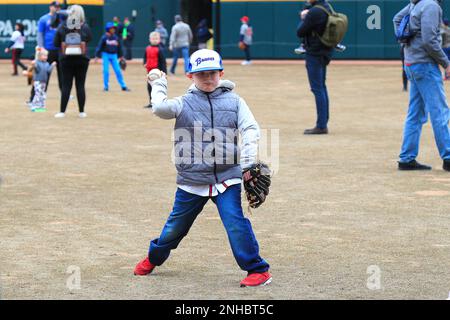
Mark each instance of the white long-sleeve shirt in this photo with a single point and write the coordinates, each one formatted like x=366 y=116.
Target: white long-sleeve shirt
x=248 y=128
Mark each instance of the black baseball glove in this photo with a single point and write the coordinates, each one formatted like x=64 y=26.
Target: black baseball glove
x=256 y=183
x=123 y=64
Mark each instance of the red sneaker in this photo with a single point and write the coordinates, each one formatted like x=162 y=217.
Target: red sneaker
x=257 y=279
x=143 y=268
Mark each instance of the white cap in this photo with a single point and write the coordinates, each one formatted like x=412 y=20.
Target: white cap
x=205 y=60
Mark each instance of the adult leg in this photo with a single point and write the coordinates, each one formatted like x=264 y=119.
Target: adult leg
x=80 y=80
x=68 y=73
x=105 y=59
x=239 y=230
x=185 y=53
x=18 y=62
x=117 y=71
x=185 y=209
x=436 y=104
x=415 y=119
x=176 y=54
x=13 y=61
x=316 y=76
x=53 y=56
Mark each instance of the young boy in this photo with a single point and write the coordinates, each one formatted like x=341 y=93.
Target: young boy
x=42 y=71
x=154 y=59
x=109 y=49
x=205 y=117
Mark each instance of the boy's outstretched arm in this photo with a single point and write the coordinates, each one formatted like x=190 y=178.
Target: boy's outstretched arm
x=162 y=106
x=249 y=130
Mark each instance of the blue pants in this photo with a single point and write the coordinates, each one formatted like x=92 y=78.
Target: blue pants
x=316 y=66
x=111 y=58
x=426 y=95
x=177 y=52
x=186 y=208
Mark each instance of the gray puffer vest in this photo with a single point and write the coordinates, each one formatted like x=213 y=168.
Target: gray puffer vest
x=206 y=137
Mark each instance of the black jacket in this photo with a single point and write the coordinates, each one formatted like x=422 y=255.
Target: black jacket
x=315 y=22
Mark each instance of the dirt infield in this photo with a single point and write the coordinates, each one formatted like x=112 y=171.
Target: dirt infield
x=89 y=194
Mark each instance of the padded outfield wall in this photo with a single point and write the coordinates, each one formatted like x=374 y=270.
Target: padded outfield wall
x=370 y=34
x=98 y=12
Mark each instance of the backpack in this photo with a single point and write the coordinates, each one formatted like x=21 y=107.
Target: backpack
x=73 y=44
x=403 y=33
x=336 y=28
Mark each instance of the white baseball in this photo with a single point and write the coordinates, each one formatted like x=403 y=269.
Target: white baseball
x=154 y=74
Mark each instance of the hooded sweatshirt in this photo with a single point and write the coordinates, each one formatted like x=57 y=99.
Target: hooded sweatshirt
x=426 y=20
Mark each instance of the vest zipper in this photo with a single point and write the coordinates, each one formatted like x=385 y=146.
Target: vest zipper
x=213 y=138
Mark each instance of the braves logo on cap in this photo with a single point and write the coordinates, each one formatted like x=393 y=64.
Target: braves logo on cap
x=205 y=60
x=200 y=60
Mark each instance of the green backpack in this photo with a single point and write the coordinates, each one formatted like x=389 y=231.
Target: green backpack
x=336 y=28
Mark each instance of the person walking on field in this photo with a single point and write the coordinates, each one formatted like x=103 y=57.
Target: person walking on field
x=128 y=37
x=109 y=49
x=246 y=39
x=203 y=34
x=73 y=37
x=423 y=56
x=180 y=41
x=16 y=45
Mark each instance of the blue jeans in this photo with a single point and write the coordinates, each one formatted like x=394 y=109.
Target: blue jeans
x=111 y=58
x=316 y=66
x=178 y=52
x=426 y=95
x=186 y=208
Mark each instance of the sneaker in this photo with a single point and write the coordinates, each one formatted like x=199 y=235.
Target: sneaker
x=143 y=268
x=446 y=165
x=60 y=115
x=71 y=97
x=149 y=106
x=412 y=165
x=300 y=50
x=105 y=89
x=340 y=47
x=257 y=279
x=43 y=109
x=246 y=63
x=126 y=89
x=82 y=115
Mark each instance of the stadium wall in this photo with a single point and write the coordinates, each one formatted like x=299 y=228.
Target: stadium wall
x=370 y=34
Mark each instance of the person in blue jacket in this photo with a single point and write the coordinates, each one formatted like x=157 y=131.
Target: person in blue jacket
x=109 y=49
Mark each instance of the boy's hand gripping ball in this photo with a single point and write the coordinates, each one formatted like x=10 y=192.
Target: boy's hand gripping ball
x=154 y=74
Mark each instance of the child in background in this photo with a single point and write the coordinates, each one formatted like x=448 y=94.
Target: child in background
x=210 y=106
x=42 y=71
x=154 y=59
x=109 y=49
x=16 y=45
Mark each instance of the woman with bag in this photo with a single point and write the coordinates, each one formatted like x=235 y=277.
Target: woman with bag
x=72 y=37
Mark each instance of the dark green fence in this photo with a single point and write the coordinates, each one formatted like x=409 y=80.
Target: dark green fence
x=370 y=34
